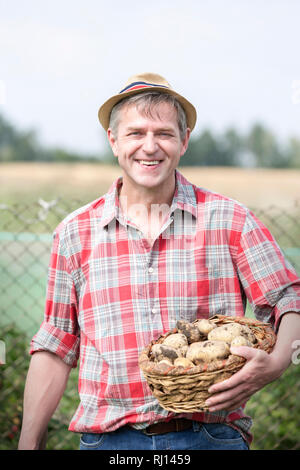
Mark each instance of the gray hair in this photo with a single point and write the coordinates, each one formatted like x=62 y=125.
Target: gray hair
x=145 y=102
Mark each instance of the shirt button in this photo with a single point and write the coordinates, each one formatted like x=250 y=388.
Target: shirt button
x=150 y=270
x=154 y=310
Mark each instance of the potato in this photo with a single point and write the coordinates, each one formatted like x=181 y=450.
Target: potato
x=225 y=332
x=161 y=352
x=191 y=332
x=247 y=333
x=206 y=351
x=166 y=361
x=183 y=362
x=176 y=340
x=205 y=326
x=241 y=341
x=229 y=331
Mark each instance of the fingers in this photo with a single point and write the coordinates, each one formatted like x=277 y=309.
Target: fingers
x=245 y=351
x=244 y=374
x=228 y=405
x=250 y=354
x=235 y=391
x=235 y=380
x=229 y=400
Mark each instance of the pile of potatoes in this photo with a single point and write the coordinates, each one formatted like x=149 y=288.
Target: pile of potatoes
x=201 y=342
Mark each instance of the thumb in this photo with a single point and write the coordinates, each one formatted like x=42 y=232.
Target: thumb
x=244 y=351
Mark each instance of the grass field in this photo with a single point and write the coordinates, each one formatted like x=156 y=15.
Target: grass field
x=257 y=188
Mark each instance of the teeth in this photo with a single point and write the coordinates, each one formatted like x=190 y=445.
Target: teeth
x=145 y=162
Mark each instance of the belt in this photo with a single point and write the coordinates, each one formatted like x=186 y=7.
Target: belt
x=175 y=425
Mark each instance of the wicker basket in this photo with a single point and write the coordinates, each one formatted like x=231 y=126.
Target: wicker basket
x=186 y=390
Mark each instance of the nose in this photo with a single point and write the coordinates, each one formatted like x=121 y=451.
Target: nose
x=149 y=144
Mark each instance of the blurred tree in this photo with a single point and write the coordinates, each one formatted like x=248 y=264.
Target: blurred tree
x=258 y=148
x=24 y=146
x=61 y=155
x=208 y=150
x=202 y=151
x=263 y=145
x=7 y=133
x=7 y=140
x=231 y=146
x=293 y=152
x=16 y=145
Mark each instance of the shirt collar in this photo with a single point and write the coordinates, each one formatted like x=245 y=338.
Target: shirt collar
x=111 y=205
x=184 y=196
x=184 y=199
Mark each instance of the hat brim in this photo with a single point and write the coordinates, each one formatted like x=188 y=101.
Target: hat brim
x=105 y=109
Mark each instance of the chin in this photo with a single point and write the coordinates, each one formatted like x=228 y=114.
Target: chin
x=150 y=182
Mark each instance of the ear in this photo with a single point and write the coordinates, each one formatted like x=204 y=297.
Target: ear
x=185 y=142
x=112 y=141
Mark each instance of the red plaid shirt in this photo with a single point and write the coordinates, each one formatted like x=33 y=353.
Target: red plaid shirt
x=110 y=293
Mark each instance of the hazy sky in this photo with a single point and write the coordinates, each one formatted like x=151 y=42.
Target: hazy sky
x=237 y=61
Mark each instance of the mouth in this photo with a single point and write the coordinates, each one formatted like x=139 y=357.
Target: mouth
x=149 y=163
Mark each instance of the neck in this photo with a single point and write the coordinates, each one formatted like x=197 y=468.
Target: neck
x=130 y=195
x=148 y=208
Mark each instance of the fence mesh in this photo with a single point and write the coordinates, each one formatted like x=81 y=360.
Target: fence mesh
x=25 y=244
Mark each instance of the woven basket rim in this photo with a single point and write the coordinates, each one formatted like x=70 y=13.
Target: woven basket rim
x=263 y=332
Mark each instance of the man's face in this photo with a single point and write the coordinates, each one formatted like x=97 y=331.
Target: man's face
x=148 y=147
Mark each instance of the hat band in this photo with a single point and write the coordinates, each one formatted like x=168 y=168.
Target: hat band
x=137 y=85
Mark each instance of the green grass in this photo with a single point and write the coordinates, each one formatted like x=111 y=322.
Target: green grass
x=276 y=413
x=12 y=382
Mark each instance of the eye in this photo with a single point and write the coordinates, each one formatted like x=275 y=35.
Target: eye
x=134 y=133
x=165 y=134
x=137 y=132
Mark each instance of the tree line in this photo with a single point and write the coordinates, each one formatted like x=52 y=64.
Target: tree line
x=259 y=147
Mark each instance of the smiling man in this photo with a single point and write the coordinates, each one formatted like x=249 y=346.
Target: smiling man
x=126 y=267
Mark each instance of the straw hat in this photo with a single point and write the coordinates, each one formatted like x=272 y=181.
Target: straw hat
x=139 y=84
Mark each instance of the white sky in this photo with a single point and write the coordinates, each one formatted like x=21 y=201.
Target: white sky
x=236 y=60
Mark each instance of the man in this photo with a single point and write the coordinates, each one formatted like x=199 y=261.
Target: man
x=126 y=267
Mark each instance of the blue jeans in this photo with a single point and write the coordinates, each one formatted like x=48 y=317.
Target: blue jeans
x=200 y=437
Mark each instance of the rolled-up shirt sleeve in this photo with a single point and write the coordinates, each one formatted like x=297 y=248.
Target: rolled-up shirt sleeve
x=59 y=331
x=270 y=282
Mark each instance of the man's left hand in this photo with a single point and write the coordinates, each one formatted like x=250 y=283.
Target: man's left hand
x=259 y=370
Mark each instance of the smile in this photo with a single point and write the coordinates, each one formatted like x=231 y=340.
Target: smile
x=149 y=162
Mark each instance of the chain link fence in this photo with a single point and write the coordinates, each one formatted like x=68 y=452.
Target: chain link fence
x=25 y=244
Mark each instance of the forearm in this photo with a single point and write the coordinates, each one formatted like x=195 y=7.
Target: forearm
x=288 y=333
x=45 y=384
